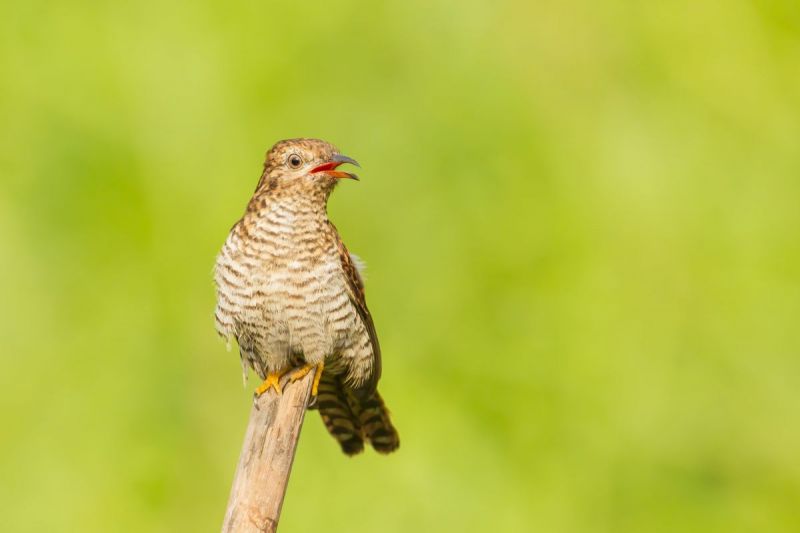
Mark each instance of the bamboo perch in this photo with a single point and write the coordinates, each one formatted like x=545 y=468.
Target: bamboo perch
x=265 y=463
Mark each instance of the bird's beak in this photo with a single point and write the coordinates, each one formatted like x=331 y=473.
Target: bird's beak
x=329 y=168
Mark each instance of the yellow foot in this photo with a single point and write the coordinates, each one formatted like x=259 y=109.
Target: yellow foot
x=273 y=381
x=305 y=369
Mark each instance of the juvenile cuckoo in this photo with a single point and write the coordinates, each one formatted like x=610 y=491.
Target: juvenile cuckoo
x=291 y=295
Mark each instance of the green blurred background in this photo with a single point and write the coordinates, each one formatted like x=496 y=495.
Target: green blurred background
x=581 y=224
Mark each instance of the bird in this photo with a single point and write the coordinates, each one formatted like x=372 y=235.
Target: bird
x=292 y=296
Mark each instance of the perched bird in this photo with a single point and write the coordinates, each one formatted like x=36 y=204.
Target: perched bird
x=291 y=295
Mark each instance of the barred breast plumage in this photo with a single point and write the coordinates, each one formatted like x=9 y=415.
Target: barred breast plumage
x=282 y=291
x=288 y=293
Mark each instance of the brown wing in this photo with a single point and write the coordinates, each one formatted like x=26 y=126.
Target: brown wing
x=355 y=289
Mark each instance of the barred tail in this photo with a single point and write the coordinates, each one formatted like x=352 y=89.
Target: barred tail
x=338 y=417
x=351 y=419
x=375 y=422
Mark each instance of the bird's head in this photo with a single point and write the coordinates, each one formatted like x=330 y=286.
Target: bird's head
x=304 y=165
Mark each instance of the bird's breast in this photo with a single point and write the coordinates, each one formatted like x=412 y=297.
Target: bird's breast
x=294 y=290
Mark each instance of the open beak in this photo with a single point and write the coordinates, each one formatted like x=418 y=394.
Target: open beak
x=329 y=168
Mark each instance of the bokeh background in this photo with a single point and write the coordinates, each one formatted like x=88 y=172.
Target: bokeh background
x=582 y=233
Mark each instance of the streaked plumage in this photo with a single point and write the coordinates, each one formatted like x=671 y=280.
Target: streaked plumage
x=289 y=292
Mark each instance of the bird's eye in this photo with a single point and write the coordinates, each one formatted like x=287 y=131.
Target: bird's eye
x=295 y=161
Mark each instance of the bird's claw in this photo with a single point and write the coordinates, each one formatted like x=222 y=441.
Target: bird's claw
x=273 y=381
x=301 y=373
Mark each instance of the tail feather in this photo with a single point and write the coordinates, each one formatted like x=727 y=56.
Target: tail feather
x=375 y=422
x=351 y=418
x=337 y=415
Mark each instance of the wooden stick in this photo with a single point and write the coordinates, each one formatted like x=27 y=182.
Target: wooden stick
x=266 y=459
